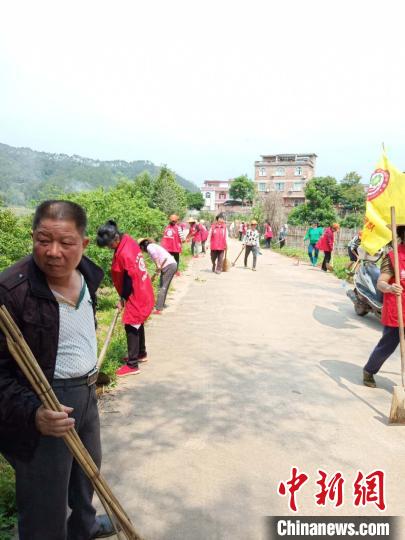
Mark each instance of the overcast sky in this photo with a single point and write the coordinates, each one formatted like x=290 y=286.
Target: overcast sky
x=206 y=87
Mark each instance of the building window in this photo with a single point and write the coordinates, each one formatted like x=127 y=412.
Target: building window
x=297 y=186
x=222 y=196
x=280 y=171
x=298 y=171
x=262 y=186
x=297 y=202
x=208 y=195
x=262 y=171
x=279 y=186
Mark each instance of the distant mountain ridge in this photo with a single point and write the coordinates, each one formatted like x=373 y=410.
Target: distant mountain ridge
x=26 y=174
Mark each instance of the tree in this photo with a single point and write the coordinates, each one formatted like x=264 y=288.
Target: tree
x=144 y=185
x=242 y=189
x=195 y=200
x=352 y=196
x=168 y=196
x=320 y=193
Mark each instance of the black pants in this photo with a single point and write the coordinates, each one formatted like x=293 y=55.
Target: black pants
x=203 y=246
x=282 y=243
x=268 y=243
x=383 y=350
x=240 y=236
x=326 y=260
x=217 y=259
x=52 y=480
x=176 y=256
x=136 y=344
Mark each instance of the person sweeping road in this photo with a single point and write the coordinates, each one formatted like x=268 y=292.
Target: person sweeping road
x=218 y=241
x=313 y=234
x=172 y=239
x=389 y=318
x=133 y=284
x=165 y=266
x=326 y=243
x=251 y=243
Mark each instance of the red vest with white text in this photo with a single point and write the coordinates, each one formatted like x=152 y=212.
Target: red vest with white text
x=218 y=237
x=128 y=258
x=171 y=240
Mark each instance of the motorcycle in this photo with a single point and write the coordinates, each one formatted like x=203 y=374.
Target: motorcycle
x=365 y=295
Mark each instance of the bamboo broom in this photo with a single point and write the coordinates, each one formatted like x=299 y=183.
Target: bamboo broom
x=18 y=345
x=32 y=371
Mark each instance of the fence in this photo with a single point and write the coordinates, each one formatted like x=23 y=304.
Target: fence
x=296 y=235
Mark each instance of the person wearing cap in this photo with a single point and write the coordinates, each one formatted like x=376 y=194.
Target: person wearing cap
x=251 y=243
x=325 y=244
x=218 y=241
x=194 y=234
x=133 y=284
x=172 y=239
x=166 y=267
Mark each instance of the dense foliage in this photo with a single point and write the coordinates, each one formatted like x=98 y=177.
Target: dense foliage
x=328 y=201
x=26 y=174
x=7 y=500
x=242 y=189
x=140 y=207
x=195 y=201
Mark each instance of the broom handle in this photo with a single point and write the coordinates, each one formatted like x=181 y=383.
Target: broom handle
x=107 y=340
x=241 y=251
x=399 y=297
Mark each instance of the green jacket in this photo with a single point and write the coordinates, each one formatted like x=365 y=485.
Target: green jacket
x=314 y=234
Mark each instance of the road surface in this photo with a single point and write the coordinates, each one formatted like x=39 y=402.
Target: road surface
x=250 y=374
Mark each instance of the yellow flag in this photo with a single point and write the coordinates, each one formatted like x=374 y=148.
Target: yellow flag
x=386 y=189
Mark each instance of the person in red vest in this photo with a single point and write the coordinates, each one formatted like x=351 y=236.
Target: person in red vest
x=218 y=240
x=194 y=234
x=268 y=234
x=325 y=244
x=204 y=235
x=133 y=284
x=172 y=239
x=389 y=318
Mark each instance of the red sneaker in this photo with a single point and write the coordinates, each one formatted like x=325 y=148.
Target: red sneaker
x=156 y=312
x=126 y=370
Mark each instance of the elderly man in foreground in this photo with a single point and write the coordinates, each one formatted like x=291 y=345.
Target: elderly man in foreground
x=51 y=295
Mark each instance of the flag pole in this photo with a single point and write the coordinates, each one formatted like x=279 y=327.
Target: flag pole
x=397 y=412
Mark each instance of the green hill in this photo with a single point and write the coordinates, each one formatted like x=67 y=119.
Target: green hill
x=26 y=174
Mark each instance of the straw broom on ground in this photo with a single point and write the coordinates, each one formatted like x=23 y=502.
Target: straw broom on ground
x=22 y=354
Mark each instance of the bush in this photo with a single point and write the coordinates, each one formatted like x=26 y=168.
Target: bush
x=7 y=500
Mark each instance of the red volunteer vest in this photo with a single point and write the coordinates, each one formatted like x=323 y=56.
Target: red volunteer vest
x=218 y=237
x=128 y=258
x=171 y=240
x=389 y=316
x=268 y=233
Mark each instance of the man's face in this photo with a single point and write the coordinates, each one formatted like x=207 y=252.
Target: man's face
x=58 y=247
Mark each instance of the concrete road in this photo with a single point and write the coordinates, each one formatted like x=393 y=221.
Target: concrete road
x=250 y=374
